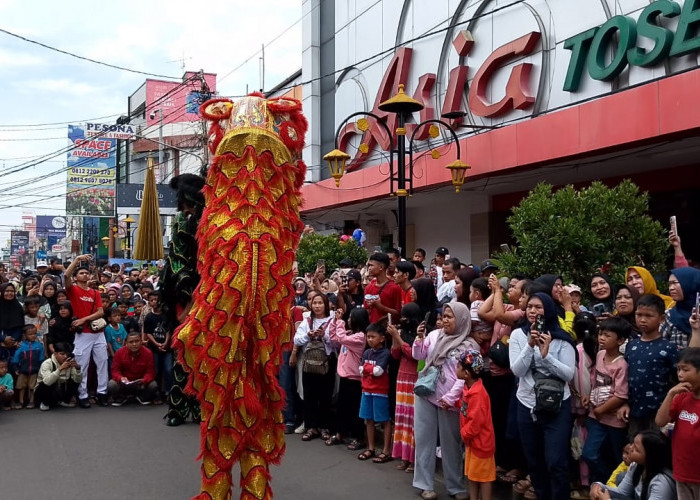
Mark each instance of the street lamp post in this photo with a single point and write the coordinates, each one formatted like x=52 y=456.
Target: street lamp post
x=129 y=220
x=160 y=138
x=403 y=106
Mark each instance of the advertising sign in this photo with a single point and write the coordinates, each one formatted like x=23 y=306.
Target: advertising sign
x=19 y=242
x=178 y=103
x=110 y=131
x=91 y=174
x=51 y=228
x=129 y=198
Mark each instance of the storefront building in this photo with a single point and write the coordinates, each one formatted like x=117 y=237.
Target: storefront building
x=575 y=92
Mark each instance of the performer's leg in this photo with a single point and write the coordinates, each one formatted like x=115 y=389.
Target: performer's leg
x=216 y=482
x=255 y=477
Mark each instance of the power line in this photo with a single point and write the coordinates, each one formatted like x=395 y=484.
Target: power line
x=83 y=58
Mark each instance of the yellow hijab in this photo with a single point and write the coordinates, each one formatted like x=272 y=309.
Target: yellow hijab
x=650 y=285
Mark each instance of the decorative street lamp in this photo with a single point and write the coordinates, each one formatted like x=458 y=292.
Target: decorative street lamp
x=128 y=221
x=403 y=106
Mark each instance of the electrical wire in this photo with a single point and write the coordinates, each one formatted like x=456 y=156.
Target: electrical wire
x=83 y=58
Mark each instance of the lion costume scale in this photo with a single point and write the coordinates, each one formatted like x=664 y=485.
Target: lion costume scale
x=232 y=339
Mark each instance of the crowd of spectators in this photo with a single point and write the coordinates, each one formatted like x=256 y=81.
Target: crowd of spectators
x=75 y=334
x=562 y=390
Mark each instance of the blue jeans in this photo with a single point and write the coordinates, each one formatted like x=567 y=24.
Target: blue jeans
x=164 y=367
x=546 y=445
x=603 y=449
x=286 y=378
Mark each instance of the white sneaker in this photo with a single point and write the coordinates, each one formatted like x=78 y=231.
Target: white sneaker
x=63 y=404
x=44 y=407
x=142 y=402
x=300 y=430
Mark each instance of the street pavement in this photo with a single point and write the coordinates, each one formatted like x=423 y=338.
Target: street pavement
x=128 y=452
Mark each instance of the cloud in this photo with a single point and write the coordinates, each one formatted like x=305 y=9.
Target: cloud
x=10 y=59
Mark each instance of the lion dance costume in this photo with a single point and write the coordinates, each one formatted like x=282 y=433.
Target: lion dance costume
x=232 y=339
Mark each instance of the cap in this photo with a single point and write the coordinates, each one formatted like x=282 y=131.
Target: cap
x=354 y=274
x=345 y=263
x=487 y=264
x=41 y=263
x=106 y=273
x=472 y=359
x=442 y=251
x=572 y=288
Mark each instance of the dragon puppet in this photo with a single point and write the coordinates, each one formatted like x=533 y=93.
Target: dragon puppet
x=232 y=339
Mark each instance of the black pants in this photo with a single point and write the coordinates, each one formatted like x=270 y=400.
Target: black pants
x=350 y=425
x=51 y=395
x=318 y=396
x=508 y=451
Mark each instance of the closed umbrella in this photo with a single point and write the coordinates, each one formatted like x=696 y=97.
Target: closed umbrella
x=149 y=234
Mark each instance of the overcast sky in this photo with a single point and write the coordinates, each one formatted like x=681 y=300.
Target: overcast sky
x=40 y=86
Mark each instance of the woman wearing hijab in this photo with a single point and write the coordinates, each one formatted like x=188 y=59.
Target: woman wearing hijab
x=626 y=304
x=49 y=303
x=603 y=293
x=426 y=298
x=544 y=435
x=437 y=414
x=683 y=286
x=644 y=282
x=11 y=320
x=553 y=285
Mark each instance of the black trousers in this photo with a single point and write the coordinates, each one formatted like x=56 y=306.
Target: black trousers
x=51 y=395
x=350 y=425
x=318 y=396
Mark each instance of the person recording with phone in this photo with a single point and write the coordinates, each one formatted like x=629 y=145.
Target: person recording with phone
x=58 y=379
x=543 y=357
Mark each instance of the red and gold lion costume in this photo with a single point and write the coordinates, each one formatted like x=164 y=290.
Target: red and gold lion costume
x=232 y=339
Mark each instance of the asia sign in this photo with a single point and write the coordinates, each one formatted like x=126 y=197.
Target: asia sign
x=622 y=35
x=91 y=183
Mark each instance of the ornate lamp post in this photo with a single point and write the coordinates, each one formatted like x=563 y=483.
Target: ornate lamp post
x=129 y=221
x=403 y=106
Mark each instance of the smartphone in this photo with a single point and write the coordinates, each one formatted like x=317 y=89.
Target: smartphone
x=144 y=266
x=344 y=279
x=598 y=309
x=674 y=225
x=320 y=263
x=697 y=303
x=539 y=323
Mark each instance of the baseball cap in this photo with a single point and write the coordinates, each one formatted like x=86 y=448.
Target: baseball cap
x=41 y=263
x=573 y=288
x=345 y=263
x=354 y=274
x=488 y=264
x=442 y=251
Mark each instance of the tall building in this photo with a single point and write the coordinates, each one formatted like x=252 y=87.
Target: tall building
x=570 y=92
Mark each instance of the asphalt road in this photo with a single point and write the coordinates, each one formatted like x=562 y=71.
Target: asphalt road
x=128 y=452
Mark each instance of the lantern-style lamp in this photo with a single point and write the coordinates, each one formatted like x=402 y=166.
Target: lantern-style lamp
x=336 y=164
x=458 y=171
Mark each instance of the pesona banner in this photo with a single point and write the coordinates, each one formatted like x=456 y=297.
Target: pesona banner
x=91 y=183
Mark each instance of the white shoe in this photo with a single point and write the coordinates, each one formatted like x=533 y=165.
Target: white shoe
x=142 y=402
x=66 y=405
x=300 y=430
x=44 y=407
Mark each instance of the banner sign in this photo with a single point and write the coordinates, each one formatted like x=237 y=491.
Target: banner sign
x=51 y=228
x=19 y=242
x=91 y=174
x=129 y=198
x=110 y=131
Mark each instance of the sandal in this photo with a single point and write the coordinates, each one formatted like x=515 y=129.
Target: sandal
x=403 y=465
x=333 y=440
x=410 y=468
x=382 y=458
x=325 y=435
x=522 y=486
x=365 y=455
x=509 y=477
x=310 y=434
x=355 y=445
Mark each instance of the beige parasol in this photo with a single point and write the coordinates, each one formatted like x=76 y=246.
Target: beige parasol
x=149 y=234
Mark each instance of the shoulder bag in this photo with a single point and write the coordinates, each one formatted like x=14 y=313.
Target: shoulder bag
x=99 y=324
x=427 y=382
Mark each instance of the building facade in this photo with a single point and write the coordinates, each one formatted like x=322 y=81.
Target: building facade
x=571 y=92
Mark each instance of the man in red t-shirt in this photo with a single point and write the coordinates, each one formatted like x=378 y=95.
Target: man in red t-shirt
x=87 y=306
x=382 y=295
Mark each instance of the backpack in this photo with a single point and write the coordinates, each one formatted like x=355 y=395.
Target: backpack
x=315 y=358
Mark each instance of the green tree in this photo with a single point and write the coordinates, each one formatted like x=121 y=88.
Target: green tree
x=314 y=247
x=575 y=233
